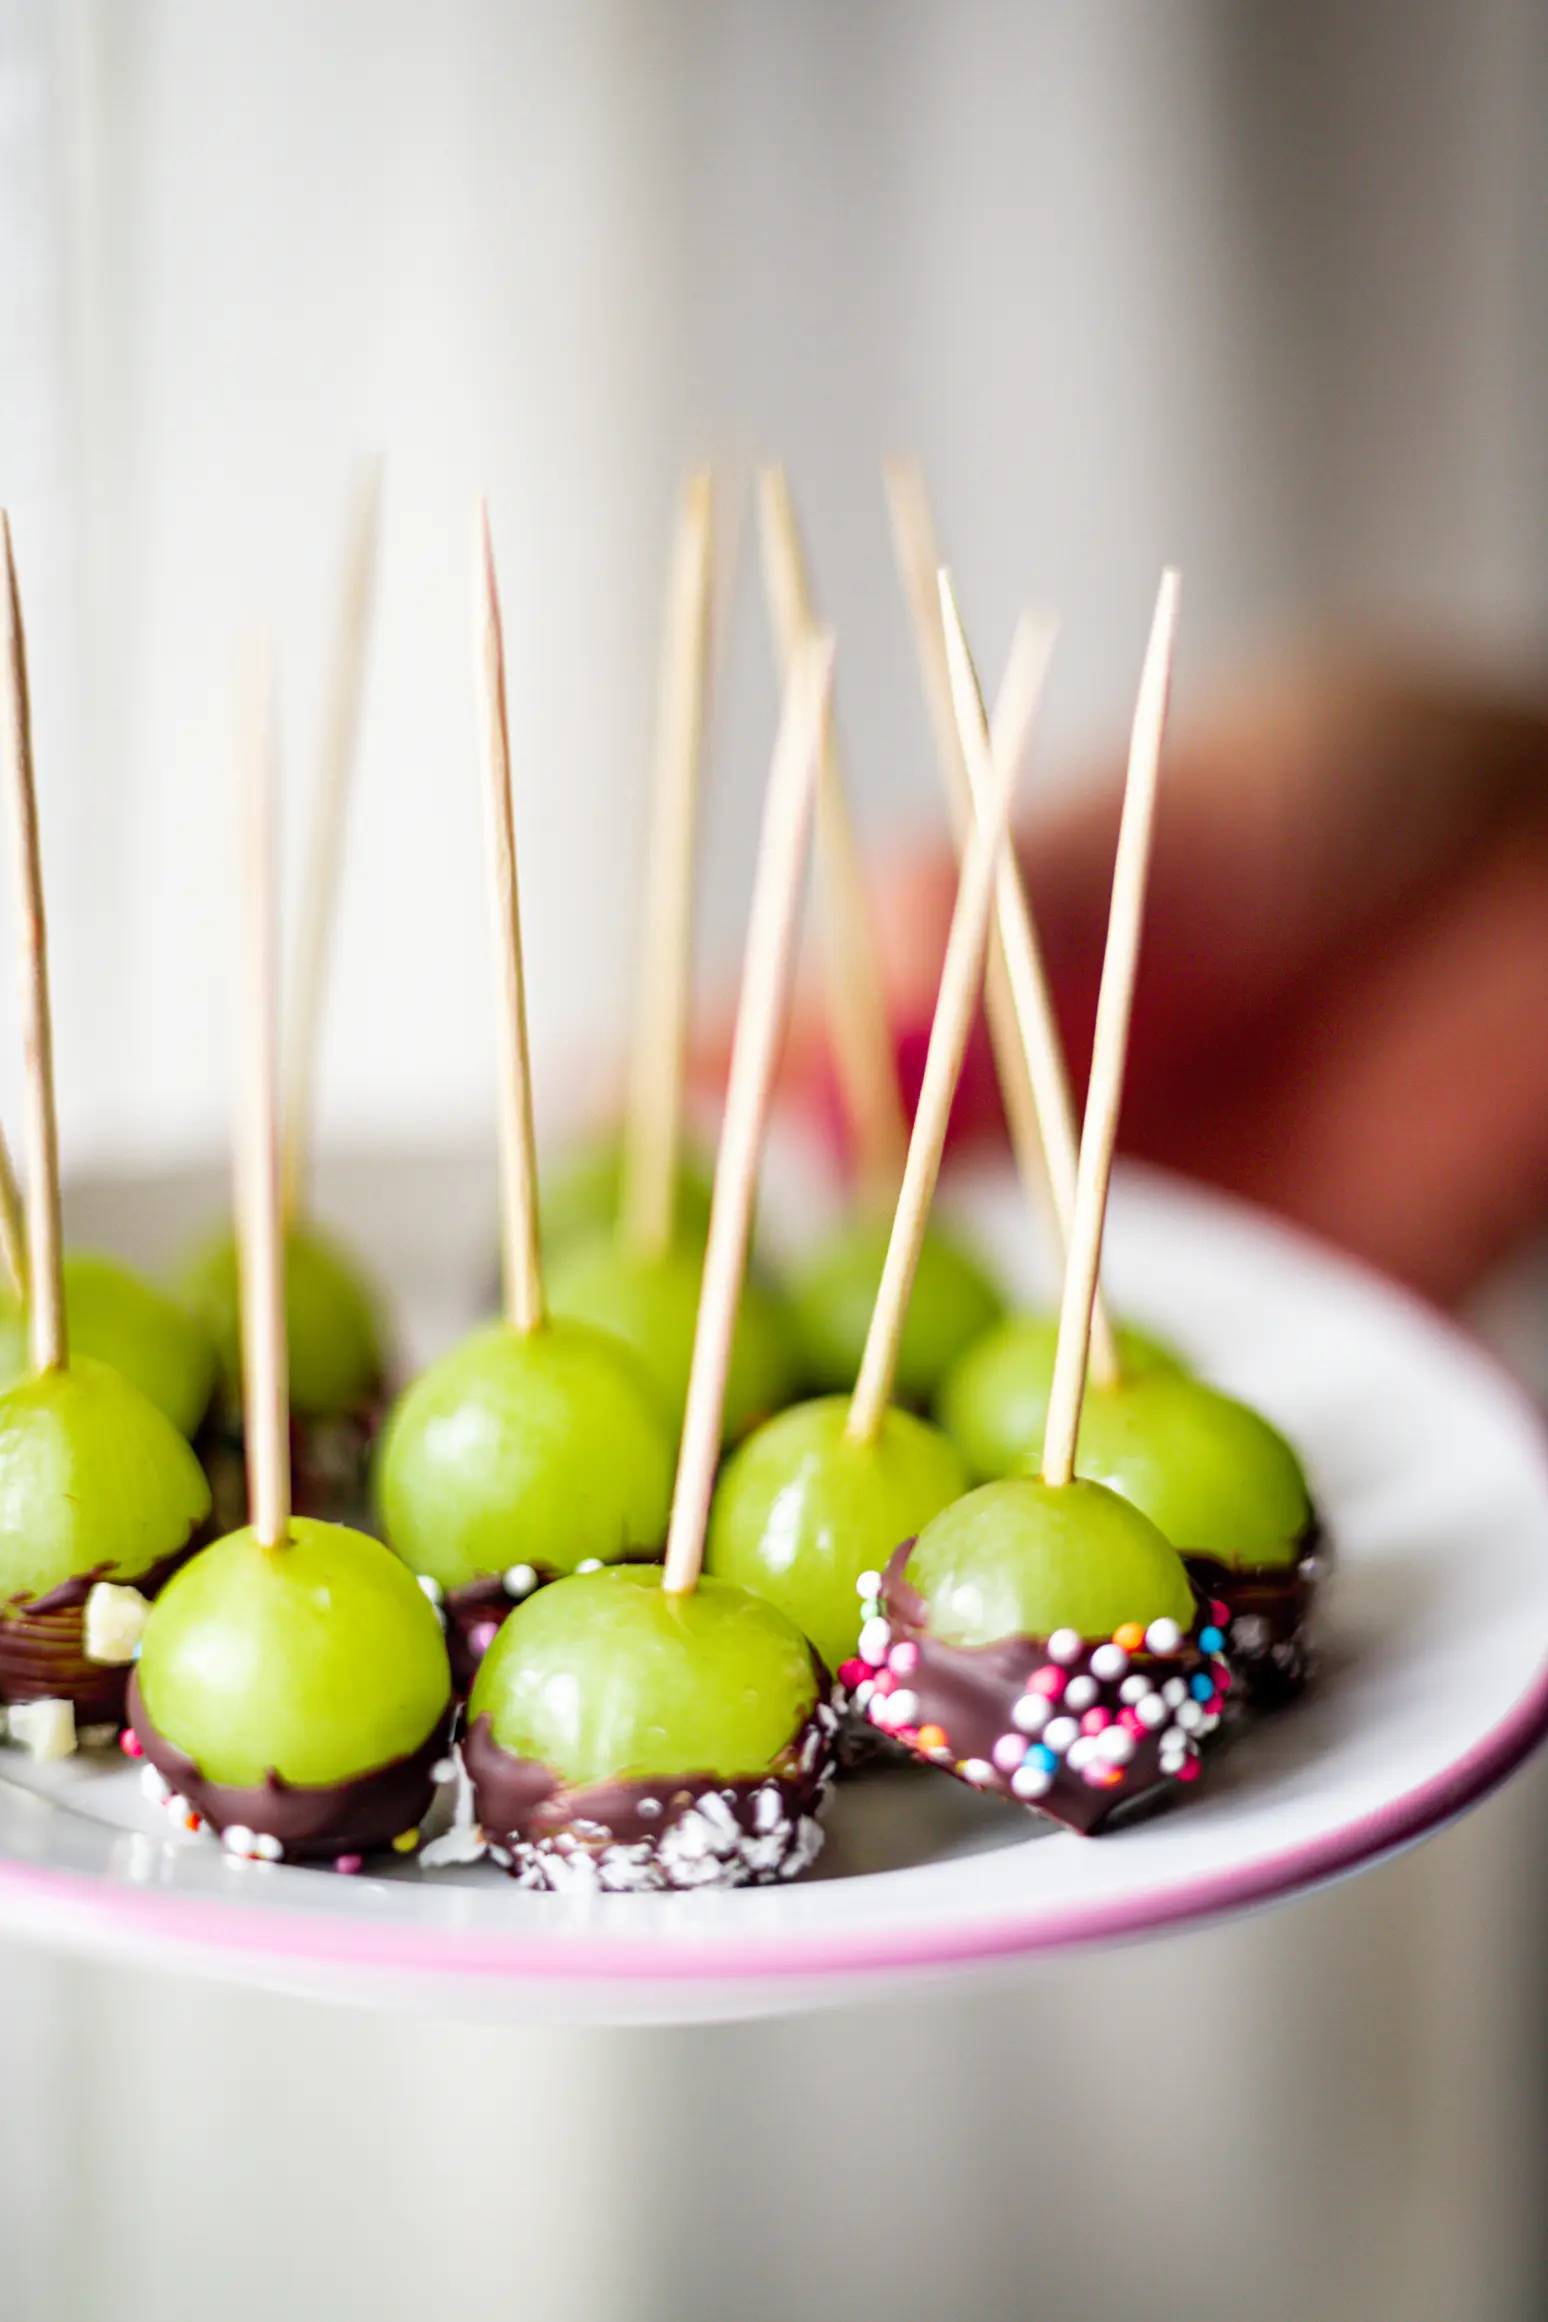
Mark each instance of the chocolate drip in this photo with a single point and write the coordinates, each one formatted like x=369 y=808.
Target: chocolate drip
x=1269 y=1615
x=970 y=1695
x=316 y=1822
x=676 y=1830
x=43 y=1640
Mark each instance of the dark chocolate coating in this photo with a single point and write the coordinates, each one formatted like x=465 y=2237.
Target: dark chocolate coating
x=42 y=1640
x=330 y=1464
x=312 y=1824
x=970 y=1692
x=1269 y=1616
x=680 y=1830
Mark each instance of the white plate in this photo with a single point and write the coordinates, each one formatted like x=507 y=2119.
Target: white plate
x=1428 y=1463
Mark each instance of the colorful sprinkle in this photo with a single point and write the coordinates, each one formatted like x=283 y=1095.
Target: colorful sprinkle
x=1065 y=1645
x=482 y=1635
x=1047 y=1681
x=1201 y=1687
x=875 y=1639
x=1095 y=1721
x=1211 y=1640
x=130 y=1743
x=349 y=1864
x=406 y=1841
x=1009 y=1752
x=904 y=1658
x=932 y=1738
x=1129 y=1637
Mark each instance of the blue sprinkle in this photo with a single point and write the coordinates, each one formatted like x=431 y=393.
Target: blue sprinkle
x=1201 y=1688
x=1040 y=1755
x=1211 y=1640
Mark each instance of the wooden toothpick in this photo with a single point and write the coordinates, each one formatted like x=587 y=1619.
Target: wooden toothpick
x=520 y=1251
x=1037 y=1026
x=956 y=1001
x=13 y=1223
x=1115 y=1001
x=857 y=1002
x=45 y=1232
x=319 y=906
x=760 y=1021
x=260 y=1236
x=918 y=560
x=659 y=1062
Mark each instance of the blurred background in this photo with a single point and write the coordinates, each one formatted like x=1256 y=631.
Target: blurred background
x=1259 y=291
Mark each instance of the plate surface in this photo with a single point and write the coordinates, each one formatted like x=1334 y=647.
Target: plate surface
x=1430 y=1467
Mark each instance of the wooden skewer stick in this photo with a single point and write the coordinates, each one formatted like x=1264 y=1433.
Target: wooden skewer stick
x=319 y=908
x=760 y=1023
x=918 y=560
x=857 y=1003
x=521 y=1253
x=13 y=1223
x=1037 y=1026
x=260 y=1235
x=961 y=982
x=658 y=1066
x=1104 y=1093
x=45 y=1233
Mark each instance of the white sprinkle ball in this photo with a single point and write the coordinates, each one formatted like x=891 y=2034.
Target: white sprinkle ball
x=1163 y=1636
x=1064 y=1646
x=1109 y=1662
x=1174 y=1691
x=875 y=1638
x=1058 y=1734
x=1115 y=1743
x=1134 y=1688
x=154 y=1785
x=266 y=1848
x=868 y=1584
x=1030 y=1713
x=1151 y=1711
x=1081 y=1692
x=976 y=1770
x=902 y=1707
x=1082 y=1751
x=520 y=1580
x=1031 y=1781
x=1009 y=1751
x=1189 y=1716
x=589 y=1564
x=236 y=1838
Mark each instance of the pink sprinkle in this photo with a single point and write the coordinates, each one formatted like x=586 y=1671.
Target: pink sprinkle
x=130 y=1743
x=853 y=1673
x=1050 y=1681
x=883 y=1681
x=481 y=1636
x=349 y=1864
x=1009 y=1751
x=1131 y=1721
x=1189 y=1770
x=904 y=1658
x=1214 y=1705
x=1221 y=1612
x=1094 y=1721
x=1223 y=1678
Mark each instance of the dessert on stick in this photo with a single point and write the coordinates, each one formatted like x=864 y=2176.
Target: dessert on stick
x=638 y=1275
x=293 y=1690
x=1041 y=1637
x=832 y=1292
x=99 y=1493
x=537 y=1445
x=337 y=1338
x=824 y=1493
x=644 y=1728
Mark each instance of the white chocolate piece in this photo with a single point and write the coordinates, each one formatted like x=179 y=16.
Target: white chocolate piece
x=114 y=1624
x=44 y=1729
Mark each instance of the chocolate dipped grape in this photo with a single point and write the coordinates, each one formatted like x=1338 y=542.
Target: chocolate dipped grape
x=514 y=1459
x=1044 y=1642
x=652 y=1304
x=994 y=1398
x=1231 y=1495
x=624 y=1738
x=802 y=1510
x=296 y=1698
x=582 y=1197
x=832 y=1294
x=337 y=1374
x=95 y=1484
x=116 y=1316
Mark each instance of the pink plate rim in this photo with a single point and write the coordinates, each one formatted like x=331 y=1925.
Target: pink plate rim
x=345 y=1945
